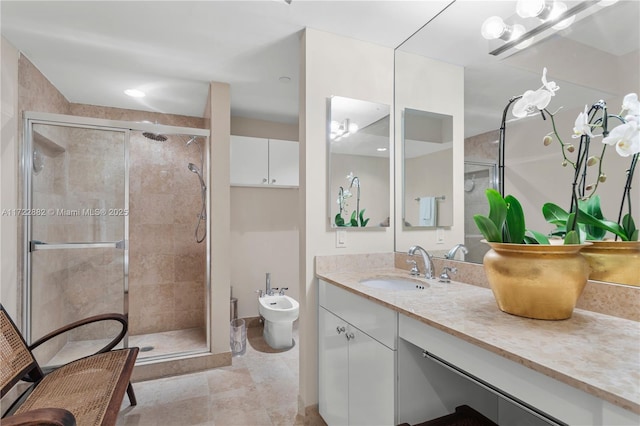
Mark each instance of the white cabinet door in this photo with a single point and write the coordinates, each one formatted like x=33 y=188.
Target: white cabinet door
x=333 y=365
x=283 y=162
x=371 y=381
x=249 y=160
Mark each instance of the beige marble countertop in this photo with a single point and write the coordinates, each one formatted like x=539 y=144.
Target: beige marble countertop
x=596 y=353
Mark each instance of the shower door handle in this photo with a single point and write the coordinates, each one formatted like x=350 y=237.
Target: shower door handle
x=39 y=245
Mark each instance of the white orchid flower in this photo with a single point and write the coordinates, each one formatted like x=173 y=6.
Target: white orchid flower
x=551 y=86
x=625 y=137
x=582 y=126
x=630 y=104
x=350 y=176
x=347 y=194
x=531 y=100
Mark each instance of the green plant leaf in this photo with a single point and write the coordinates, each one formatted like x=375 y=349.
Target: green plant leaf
x=629 y=227
x=487 y=228
x=587 y=219
x=555 y=214
x=339 y=221
x=363 y=221
x=497 y=208
x=592 y=206
x=353 y=220
x=572 y=237
x=536 y=237
x=515 y=226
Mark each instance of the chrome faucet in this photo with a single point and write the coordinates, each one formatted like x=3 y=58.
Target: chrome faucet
x=452 y=252
x=444 y=276
x=426 y=257
x=268 y=289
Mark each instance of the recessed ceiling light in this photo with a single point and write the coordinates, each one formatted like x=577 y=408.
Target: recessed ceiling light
x=135 y=93
x=284 y=79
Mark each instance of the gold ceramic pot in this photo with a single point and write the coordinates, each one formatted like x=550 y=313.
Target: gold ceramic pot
x=535 y=280
x=614 y=261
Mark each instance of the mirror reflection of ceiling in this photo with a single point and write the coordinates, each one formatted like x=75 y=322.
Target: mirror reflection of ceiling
x=372 y=120
x=423 y=133
x=604 y=40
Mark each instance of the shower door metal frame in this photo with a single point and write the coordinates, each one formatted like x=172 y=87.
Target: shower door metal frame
x=491 y=166
x=126 y=127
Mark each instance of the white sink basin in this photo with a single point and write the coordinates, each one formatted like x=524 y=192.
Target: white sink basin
x=395 y=283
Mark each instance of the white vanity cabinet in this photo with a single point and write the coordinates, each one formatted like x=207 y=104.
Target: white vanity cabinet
x=261 y=161
x=438 y=371
x=356 y=359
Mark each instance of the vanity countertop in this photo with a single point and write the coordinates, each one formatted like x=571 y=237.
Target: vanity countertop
x=596 y=353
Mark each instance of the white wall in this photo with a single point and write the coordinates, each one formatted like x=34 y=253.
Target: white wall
x=264 y=228
x=429 y=175
x=429 y=85
x=9 y=172
x=219 y=122
x=331 y=65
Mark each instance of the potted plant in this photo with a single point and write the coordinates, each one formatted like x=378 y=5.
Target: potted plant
x=529 y=276
x=618 y=259
x=357 y=218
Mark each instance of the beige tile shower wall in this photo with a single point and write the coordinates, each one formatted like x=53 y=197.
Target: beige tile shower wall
x=36 y=93
x=9 y=169
x=166 y=265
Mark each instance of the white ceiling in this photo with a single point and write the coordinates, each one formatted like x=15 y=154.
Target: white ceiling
x=93 y=50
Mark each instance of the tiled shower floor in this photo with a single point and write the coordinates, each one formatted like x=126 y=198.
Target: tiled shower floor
x=168 y=342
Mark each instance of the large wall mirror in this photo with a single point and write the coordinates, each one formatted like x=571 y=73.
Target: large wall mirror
x=358 y=142
x=427 y=148
x=591 y=57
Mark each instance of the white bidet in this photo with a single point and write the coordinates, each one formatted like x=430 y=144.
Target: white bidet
x=279 y=313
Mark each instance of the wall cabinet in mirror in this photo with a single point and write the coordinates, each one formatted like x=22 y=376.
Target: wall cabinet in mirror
x=359 y=175
x=428 y=169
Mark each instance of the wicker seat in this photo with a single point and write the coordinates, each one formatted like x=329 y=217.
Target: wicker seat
x=88 y=391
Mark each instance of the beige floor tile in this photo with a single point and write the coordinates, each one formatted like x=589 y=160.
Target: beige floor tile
x=259 y=388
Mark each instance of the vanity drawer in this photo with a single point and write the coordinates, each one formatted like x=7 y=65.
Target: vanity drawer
x=375 y=320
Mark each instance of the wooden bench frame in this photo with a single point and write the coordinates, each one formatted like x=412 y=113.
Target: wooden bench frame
x=89 y=390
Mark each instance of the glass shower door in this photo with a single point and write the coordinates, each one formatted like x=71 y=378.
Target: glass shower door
x=478 y=177
x=77 y=229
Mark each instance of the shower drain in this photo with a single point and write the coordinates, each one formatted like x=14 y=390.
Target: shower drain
x=146 y=348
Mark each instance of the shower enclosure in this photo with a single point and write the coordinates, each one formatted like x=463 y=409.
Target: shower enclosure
x=478 y=176
x=115 y=221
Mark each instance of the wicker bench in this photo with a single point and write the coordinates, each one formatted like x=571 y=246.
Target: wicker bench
x=88 y=391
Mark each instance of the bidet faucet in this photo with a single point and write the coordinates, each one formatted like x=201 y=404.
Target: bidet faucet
x=426 y=257
x=452 y=252
x=268 y=290
x=282 y=289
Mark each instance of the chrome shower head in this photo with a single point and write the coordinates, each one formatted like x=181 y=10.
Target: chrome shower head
x=154 y=136
x=193 y=168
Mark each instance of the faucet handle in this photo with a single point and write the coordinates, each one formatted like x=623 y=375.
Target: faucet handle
x=444 y=276
x=282 y=289
x=414 y=269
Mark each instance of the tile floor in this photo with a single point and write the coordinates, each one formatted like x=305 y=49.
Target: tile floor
x=260 y=388
x=168 y=342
